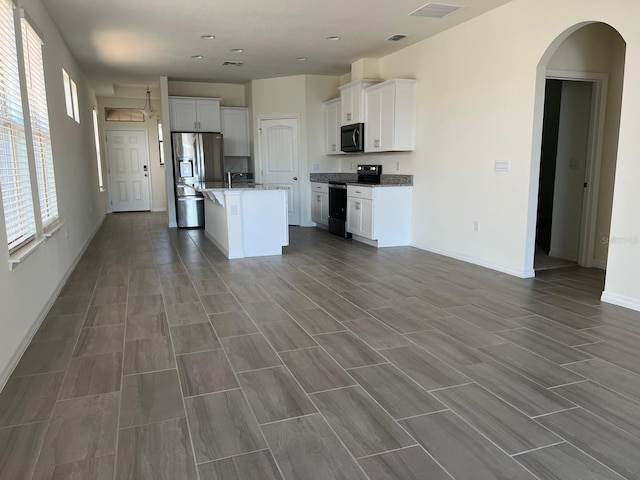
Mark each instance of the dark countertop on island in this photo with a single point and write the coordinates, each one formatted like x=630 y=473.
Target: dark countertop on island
x=386 y=180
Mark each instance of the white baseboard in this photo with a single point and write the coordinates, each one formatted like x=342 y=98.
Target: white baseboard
x=159 y=209
x=600 y=264
x=526 y=273
x=621 y=300
x=17 y=355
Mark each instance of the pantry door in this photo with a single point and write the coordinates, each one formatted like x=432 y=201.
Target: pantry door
x=280 y=158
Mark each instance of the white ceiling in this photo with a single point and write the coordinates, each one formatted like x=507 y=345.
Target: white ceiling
x=134 y=42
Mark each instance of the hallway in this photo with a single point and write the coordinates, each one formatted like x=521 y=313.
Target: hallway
x=161 y=359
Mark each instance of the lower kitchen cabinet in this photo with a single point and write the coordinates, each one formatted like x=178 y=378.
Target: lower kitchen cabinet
x=320 y=204
x=379 y=216
x=360 y=217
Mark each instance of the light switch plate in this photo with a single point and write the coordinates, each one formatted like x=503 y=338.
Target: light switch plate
x=502 y=166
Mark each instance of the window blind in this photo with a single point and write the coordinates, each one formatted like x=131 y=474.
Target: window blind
x=17 y=200
x=37 y=98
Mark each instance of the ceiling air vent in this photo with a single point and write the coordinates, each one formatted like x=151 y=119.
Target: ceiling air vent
x=232 y=64
x=436 y=10
x=397 y=37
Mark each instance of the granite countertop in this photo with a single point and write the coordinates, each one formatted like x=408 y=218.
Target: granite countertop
x=222 y=186
x=386 y=180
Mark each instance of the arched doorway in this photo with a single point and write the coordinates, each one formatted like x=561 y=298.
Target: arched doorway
x=581 y=74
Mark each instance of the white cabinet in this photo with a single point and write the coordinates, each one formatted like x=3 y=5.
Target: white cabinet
x=379 y=216
x=390 y=116
x=189 y=114
x=351 y=96
x=235 y=131
x=332 y=110
x=320 y=203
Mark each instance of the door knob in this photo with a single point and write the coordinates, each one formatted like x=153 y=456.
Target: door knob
x=295 y=178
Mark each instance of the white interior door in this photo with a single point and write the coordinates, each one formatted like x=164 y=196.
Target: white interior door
x=128 y=156
x=571 y=160
x=280 y=158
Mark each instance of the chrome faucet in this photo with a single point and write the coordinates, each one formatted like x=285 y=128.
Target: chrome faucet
x=231 y=176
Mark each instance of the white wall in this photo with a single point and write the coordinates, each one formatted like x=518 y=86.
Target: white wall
x=480 y=99
x=298 y=96
x=150 y=125
x=27 y=292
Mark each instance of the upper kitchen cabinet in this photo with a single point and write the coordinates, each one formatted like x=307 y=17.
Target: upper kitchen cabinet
x=235 y=131
x=351 y=96
x=332 y=126
x=189 y=114
x=390 y=116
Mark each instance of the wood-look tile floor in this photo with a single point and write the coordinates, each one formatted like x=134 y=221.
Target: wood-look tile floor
x=163 y=360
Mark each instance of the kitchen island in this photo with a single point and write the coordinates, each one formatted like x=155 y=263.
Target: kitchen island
x=246 y=221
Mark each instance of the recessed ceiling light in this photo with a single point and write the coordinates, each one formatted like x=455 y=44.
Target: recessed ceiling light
x=207 y=37
x=301 y=59
x=333 y=38
x=237 y=50
x=197 y=57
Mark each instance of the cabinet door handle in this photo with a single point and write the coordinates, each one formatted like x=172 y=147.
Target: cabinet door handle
x=358 y=191
x=195 y=125
x=357 y=205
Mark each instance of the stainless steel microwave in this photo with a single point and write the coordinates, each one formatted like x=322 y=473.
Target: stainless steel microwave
x=352 y=138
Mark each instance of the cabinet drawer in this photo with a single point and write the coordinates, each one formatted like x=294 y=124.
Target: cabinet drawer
x=319 y=187
x=360 y=192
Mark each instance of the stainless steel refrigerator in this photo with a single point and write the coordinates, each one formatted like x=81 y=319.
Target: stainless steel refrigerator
x=197 y=158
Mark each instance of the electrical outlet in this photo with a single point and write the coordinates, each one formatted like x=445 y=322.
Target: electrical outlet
x=398 y=165
x=315 y=166
x=476 y=226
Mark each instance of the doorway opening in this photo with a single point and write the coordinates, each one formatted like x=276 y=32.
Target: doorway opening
x=569 y=170
x=582 y=48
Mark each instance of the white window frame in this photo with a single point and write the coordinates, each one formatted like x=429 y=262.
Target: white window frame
x=15 y=175
x=26 y=160
x=71 y=96
x=39 y=121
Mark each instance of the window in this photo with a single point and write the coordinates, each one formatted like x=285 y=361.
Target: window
x=123 y=115
x=17 y=199
x=66 y=80
x=160 y=142
x=98 y=154
x=39 y=115
x=70 y=96
x=74 y=98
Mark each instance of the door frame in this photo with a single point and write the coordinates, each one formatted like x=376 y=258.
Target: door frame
x=108 y=164
x=259 y=163
x=600 y=82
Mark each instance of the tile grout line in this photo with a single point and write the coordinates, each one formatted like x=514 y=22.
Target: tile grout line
x=75 y=344
x=244 y=396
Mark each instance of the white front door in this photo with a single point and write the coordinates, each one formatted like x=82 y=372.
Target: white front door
x=128 y=156
x=280 y=158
